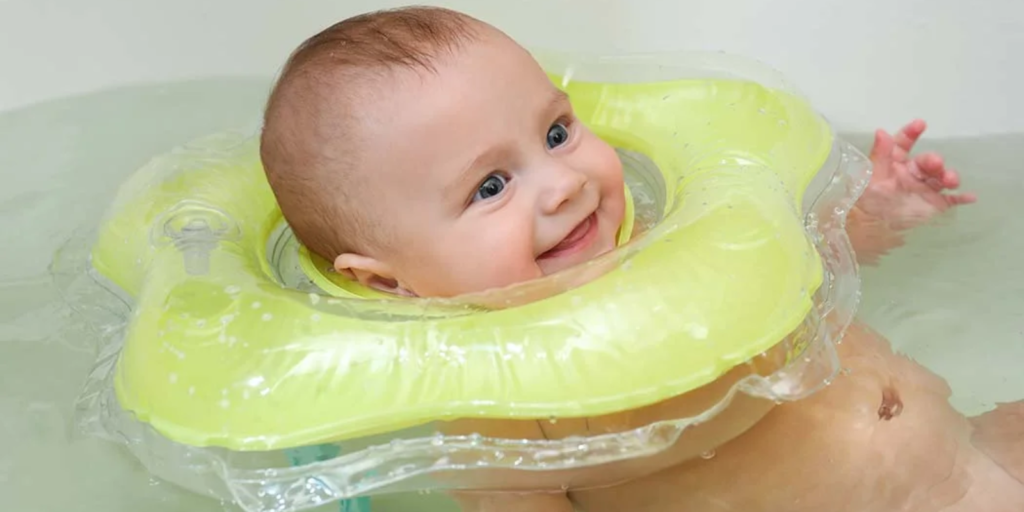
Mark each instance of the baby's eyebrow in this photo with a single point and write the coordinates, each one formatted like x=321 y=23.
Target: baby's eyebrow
x=556 y=105
x=472 y=172
x=559 y=99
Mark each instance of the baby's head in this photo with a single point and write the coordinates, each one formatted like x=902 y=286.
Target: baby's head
x=426 y=153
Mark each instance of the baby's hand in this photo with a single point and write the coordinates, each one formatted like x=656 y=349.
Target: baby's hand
x=908 y=191
x=904 y=192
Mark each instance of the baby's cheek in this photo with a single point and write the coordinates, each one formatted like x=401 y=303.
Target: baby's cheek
x=520 y=264
x=501 y=262
x=606 y=161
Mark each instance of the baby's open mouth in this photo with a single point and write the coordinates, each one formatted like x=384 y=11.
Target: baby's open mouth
x=581 y=236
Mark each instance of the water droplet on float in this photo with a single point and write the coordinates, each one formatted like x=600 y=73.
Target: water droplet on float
x=172 y=378
x=708 y=455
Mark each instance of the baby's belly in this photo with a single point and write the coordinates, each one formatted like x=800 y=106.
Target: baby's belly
x=882 y=437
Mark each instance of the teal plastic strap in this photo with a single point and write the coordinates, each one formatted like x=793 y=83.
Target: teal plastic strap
x=310 y=454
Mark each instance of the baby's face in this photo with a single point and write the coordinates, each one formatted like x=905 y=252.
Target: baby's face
x=485 y=176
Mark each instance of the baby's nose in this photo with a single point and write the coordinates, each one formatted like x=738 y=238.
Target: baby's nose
x=563 y=185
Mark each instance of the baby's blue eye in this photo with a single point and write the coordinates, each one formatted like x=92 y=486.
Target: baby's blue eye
x=557 y=135
x=492 y=186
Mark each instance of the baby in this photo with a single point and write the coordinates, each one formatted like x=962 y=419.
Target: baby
x=425 y=153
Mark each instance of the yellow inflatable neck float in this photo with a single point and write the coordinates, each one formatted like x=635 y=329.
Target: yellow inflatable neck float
x=746 y=252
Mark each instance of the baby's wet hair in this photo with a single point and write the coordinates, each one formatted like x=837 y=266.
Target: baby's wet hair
x=310 y=137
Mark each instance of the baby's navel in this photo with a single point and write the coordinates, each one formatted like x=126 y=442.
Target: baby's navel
x=891 y=406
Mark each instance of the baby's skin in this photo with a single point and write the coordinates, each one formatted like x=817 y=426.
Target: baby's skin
x=882 y=437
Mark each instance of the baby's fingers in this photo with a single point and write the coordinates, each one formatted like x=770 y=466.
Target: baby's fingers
x=949 y=179
x=907 y=137
x=959 y=199
x=931 y=169
x=882 y=151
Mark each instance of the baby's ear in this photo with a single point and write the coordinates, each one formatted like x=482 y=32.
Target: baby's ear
x=370 y=272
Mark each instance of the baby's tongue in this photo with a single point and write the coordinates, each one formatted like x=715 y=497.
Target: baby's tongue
x=573 y=237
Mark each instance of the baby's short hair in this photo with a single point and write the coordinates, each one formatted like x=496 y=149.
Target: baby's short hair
x=309 y=137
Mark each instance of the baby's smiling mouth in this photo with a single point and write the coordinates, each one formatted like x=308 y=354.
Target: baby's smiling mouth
x=579 y=238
